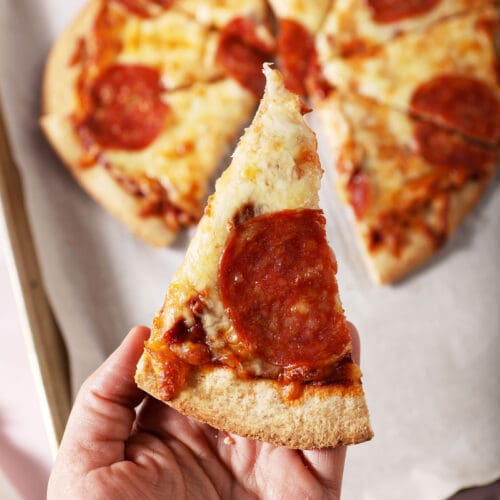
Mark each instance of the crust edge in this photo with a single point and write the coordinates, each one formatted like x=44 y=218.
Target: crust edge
x=385 y=268
x=97 y=182
x=323 y=417
x=59 y=77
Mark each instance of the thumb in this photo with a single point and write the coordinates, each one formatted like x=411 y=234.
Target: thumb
x=103 y=413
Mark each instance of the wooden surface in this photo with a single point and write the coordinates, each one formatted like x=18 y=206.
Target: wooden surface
x=489 y=492
x=45 y=346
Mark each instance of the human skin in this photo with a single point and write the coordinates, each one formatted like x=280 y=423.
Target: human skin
x=121 y=443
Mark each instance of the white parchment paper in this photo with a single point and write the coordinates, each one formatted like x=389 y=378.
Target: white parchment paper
x=430 y=345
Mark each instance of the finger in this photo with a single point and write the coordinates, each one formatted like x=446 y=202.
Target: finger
x=181 y=433
x=163 y=421
x=103 y=413
x=356 y=347
x=328 y=466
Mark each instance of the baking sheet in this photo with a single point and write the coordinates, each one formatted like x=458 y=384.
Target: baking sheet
x=430 y=345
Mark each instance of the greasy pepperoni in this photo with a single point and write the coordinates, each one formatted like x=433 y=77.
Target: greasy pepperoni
x=80 y=52
x=242 y=53
x=297 y=54
x=356 y=47
x=126 y=108
x=360 y=193
x=246 y=212
x=278 y=287
x=391 y=11
x=441 y=148
x=140 y=7
x=465 y=104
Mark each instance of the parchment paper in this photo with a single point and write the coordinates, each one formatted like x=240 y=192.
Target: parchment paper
x=430 y=345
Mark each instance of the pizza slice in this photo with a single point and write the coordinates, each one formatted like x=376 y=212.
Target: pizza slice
x=354 y=27
x=142 y=103
x=298 y=23
x=408 y=182
x=252 y=337
x=445 y=74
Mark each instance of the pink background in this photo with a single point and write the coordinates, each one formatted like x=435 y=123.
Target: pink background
x=25 y=458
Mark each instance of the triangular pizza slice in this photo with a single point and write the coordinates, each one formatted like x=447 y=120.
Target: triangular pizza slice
x=354 y=27
x=142 y=102
x=446 y=74
x=252 y=337
x=408 y=182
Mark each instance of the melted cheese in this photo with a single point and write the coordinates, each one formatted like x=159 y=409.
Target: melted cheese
x=182 y=49
x=194 y=141
x=218 y=13
x=457 y=45
x=376 y=140
x=350 y=24
x=379 y=142
x=309 y=14
x=275 y=167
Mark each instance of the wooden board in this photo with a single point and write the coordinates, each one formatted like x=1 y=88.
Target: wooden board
x=46 y=348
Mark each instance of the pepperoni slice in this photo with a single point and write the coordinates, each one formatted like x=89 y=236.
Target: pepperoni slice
x=360 y=193
x=297 y=54
x=126 y=108
x=242 y=53
x=391 y=11
x=441 y=148
x=277 y=284
x=465 y=104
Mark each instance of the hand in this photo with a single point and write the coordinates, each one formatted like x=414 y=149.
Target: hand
x=111 y=451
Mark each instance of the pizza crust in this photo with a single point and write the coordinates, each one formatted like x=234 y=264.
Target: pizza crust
x=98 y=182
x=386 y=268
x=323 y=417
x=59 y=80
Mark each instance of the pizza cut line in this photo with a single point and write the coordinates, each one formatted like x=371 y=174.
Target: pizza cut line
x=408 y=182
x=252 y=337
x=129 y=90
x=453 y=82
x=432 y=63
x=413 y=139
